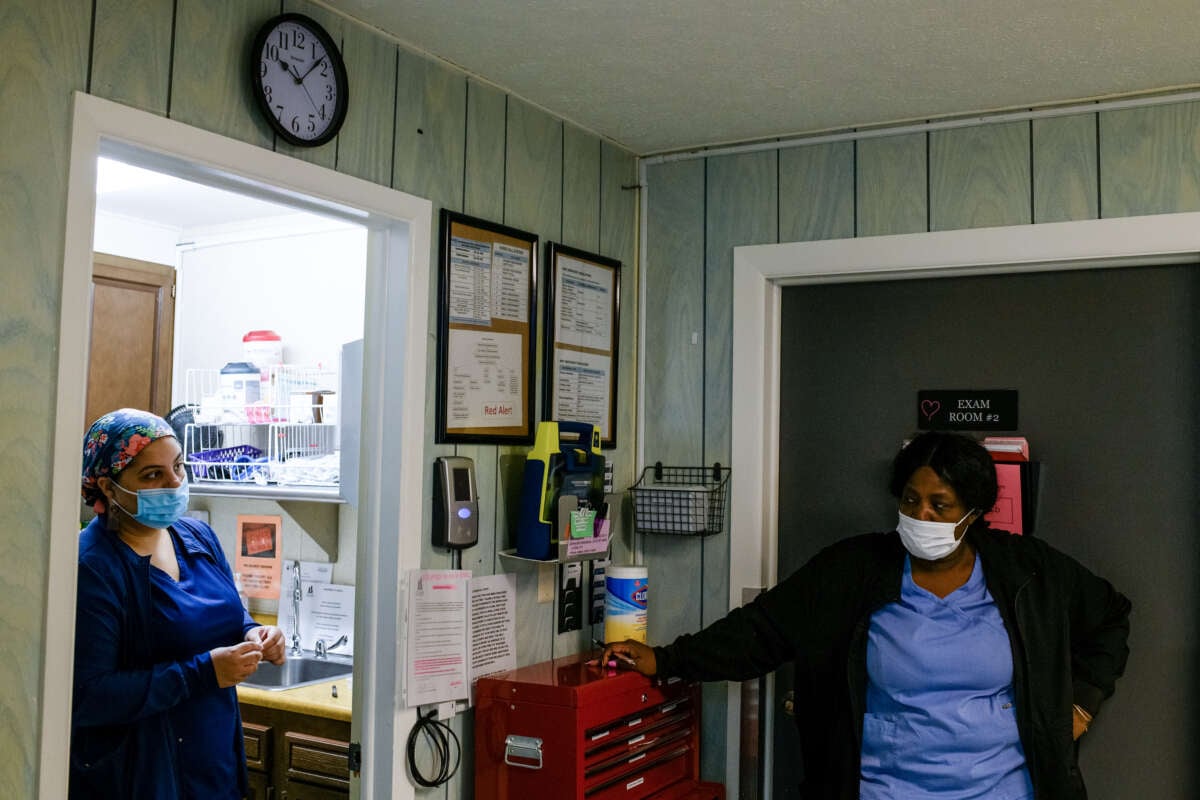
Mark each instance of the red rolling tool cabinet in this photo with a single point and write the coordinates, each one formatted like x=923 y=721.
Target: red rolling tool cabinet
x=567 y=730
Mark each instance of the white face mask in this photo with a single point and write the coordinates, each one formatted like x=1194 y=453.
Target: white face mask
x=929 y=540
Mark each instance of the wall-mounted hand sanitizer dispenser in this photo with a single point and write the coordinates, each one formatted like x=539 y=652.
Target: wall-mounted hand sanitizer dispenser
x=455 y=503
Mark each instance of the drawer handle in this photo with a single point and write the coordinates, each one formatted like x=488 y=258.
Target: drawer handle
x=526 y=747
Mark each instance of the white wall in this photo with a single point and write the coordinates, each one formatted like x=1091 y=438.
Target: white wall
x=133 y=238
x=305 y=280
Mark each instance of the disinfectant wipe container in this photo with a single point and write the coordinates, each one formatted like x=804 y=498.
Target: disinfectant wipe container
x=625 y=603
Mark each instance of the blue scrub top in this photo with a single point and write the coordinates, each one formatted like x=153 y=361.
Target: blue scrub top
x=941 y=719
x=200 y=612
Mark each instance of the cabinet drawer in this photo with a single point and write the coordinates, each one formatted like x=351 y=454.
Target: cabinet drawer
x=650 y=752
x=613 y=731
x=637 y=737
x=668 y=768
x=317 y=760
x=257 y=741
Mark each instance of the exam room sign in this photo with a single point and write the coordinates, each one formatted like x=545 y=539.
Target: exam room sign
x=967 y=410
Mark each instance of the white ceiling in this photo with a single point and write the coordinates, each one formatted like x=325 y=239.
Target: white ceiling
x=663 y=75
x=147 y=196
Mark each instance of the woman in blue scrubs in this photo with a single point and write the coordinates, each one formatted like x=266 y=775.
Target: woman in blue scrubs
x=940 y=661
x=161 y=636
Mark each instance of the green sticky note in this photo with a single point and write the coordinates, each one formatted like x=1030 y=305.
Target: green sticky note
x=583 y=523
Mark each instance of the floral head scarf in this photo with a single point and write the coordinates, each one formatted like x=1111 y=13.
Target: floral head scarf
x=112 y=442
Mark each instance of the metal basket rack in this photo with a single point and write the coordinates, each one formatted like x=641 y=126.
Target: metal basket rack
x=687 y=501
x=288 y=437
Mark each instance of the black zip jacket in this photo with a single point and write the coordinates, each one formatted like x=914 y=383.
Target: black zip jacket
x=1068 y=630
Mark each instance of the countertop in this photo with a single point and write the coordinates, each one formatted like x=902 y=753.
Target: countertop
x=316 y=700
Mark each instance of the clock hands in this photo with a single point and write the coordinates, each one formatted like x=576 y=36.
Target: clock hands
x=315 y=64
x=291 y=70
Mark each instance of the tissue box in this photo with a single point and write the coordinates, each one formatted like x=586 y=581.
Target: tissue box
x=672 y=509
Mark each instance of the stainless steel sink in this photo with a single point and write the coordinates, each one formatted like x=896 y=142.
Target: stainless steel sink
x=299 y=671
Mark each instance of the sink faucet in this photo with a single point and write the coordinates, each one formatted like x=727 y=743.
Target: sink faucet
x=322 y=648
x=296 y=595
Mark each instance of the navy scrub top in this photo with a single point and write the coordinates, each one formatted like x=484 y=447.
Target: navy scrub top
x=200 y=612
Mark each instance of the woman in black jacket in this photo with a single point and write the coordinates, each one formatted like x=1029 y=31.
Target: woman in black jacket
x=942 y=660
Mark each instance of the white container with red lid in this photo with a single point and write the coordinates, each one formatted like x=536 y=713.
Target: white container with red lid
x=262 y=349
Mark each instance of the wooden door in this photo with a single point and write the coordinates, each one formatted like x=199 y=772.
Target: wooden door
x=133 y=318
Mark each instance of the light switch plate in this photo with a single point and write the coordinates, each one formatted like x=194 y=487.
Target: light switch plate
x=545 y=583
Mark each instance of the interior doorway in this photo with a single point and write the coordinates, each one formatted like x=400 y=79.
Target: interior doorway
x=761 y=274
x=1105 y=365
x=393 y=391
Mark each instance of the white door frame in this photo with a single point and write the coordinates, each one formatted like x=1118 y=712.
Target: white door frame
x=390 y=469
x=760 y=273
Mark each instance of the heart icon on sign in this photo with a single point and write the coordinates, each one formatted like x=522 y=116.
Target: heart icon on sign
x=930 y=407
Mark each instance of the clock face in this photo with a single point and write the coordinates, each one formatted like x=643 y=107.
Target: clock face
x=299 y=80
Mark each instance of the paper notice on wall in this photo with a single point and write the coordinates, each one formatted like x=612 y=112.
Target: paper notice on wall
x=316 y=571
x=510 y=282
x=257 y=556
x=485 y=382
x=470 y=293
x=326 y=613
x=583 y=382
x=436 y=627
x=583 y=311
x=493 y=624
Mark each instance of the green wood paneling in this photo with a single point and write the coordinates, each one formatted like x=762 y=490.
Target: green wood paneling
x=364 y=145
x=533 y=187
x=741 y=209
x=1150 y=160
x=1066 y=183
x=324 y=155
x=210 y=72
x=816 y=192
x=487 y=110
x=979 y=177
x=581 y=189
x=428 y=162
x=674 y=376
x=618 y=239
x=45 y=57
x=891 y=185
x=428 y=159
x=431 y=107
x=533 y=202
x=131 y=52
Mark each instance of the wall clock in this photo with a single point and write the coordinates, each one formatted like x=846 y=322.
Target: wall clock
x=298 y=79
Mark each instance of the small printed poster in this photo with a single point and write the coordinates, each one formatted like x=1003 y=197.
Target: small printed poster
x=259 y=557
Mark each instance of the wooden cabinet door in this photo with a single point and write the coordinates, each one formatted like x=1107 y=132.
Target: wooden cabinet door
x=259 y=787
x=132 y=336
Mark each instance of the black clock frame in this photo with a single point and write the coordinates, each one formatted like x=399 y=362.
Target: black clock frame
x=332 y=52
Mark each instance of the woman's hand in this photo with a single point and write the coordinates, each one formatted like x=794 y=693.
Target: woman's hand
x=631 y=654
x=235 y=663
x=270 y=637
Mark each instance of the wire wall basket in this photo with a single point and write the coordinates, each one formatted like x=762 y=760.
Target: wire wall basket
x=687 y=501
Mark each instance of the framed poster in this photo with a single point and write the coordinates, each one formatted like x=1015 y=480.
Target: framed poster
x=487 y=308
x=583 y=310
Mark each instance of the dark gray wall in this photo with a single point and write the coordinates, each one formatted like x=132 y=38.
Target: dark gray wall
x=1106 y=365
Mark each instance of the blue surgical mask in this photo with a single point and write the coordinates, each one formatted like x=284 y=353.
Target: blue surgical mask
x=157 y=508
